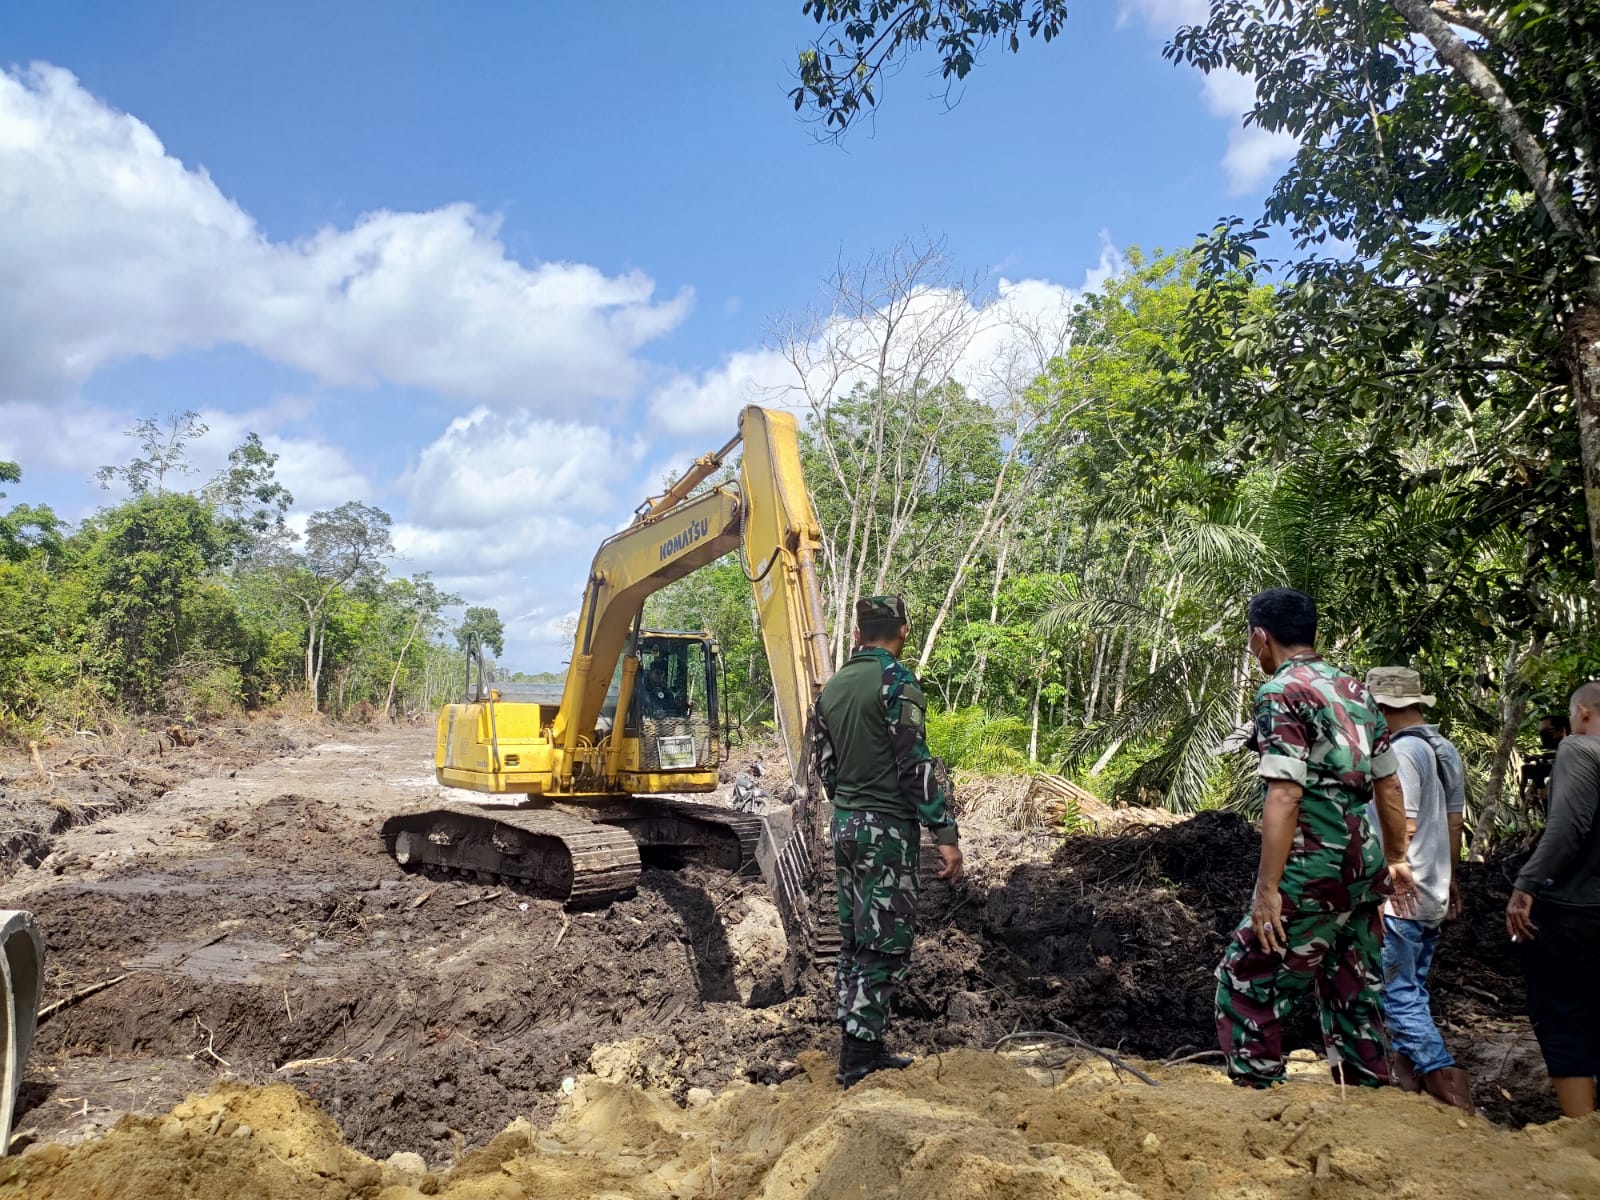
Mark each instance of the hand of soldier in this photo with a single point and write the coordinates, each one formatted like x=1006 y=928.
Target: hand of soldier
x=1404 y=897
x=1519 y=917
x=1266 y=920
x=950 y=863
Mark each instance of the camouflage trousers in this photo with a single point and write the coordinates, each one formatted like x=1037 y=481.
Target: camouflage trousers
x=1339 y=955
x=875 y=867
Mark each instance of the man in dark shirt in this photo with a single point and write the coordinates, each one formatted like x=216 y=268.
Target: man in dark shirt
x=1554 y=914
x=1536 y=767
x=870 y=752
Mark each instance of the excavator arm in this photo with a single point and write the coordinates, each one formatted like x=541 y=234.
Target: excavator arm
x=770 y=518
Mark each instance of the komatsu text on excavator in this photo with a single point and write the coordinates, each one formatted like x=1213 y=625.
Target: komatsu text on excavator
x=593 y=778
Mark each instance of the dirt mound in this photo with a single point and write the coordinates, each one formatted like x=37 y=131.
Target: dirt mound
x=965 y=1125
x=83 y=779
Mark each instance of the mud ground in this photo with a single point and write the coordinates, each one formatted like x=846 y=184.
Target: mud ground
x=265 y=936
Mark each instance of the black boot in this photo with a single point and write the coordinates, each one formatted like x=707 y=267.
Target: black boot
x=858 y=1058
x=891 y=1062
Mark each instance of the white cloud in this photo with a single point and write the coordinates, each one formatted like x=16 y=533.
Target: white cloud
x=987 y=347
x=1253 y=155
x=490 y=466
x=709 y=403
x=507 y=509
x=81 y=438
x=127 y=252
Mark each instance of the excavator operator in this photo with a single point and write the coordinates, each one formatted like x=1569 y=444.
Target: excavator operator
x=659 y=698
x=871 y=755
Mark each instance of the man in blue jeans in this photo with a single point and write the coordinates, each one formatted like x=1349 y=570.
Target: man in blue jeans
x=1433 y=782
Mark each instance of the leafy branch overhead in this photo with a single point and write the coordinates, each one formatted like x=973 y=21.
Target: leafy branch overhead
x=841 y=73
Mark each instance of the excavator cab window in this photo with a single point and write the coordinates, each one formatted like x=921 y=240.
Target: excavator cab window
x=674 y=710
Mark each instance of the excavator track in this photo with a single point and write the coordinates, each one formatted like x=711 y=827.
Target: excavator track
x=676 y=831
x=563 y=856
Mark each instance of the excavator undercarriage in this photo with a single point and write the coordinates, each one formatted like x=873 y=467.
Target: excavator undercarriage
x=582 y=860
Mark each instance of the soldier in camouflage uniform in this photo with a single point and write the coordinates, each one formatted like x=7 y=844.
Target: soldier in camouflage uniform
x=871 y=755
x=1316 y=921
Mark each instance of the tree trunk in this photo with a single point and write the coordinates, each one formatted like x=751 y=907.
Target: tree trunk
x=311 y=651
x=1513 y=705
x=1093 y=700
x=1583 y=361
x=1122 y=671
x=994 y=611
x=388 y=699
x=316 y=674
x=991 y=518
x=1033 y=721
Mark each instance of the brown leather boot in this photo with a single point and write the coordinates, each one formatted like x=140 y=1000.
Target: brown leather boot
x=1450 y=1085
x=1403 y=1074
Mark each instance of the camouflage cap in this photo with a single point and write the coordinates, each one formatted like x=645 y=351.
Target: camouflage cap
x=880 y=608
x=1397 y=687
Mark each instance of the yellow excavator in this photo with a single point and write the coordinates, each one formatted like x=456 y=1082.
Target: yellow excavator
x=593 y=782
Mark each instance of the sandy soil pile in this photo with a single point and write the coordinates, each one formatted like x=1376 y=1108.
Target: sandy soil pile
x=964 y=1125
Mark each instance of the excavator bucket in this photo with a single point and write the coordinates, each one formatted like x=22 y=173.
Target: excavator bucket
x=792 y=857
x=22 y=973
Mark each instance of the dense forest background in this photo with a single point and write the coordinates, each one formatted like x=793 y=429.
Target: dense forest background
x=1383 y=389
x=1077 y=543
x=198 y=601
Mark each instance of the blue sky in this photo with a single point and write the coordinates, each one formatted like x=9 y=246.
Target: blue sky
x=496 y=267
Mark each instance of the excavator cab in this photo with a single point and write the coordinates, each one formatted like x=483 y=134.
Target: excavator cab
x=674 y=711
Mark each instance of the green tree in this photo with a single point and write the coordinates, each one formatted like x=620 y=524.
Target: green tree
x=26 y=527
x=1447 y=235
x=485 y=624
x=420 y=603
x=163 y=452
x=247 y=495
x=344 y=547
x=145 y=564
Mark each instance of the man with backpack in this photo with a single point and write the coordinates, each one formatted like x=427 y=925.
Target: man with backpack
x=1433 y=782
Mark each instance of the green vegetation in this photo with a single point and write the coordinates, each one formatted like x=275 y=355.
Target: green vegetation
x=197 y=604
x=1400 y=414
x=1076 y=549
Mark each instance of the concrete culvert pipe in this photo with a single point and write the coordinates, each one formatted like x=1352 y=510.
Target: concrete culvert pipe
x=22 y=968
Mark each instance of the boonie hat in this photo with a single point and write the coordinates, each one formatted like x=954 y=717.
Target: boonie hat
x=880 y=608
x=1398 y=687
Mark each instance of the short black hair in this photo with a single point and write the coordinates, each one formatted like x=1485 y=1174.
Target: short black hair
x=1288 y=615
x=1588 y=695
x=879 y=630
x=1559 y=720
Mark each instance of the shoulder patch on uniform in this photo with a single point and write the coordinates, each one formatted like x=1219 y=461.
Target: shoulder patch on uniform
x=913 y=714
